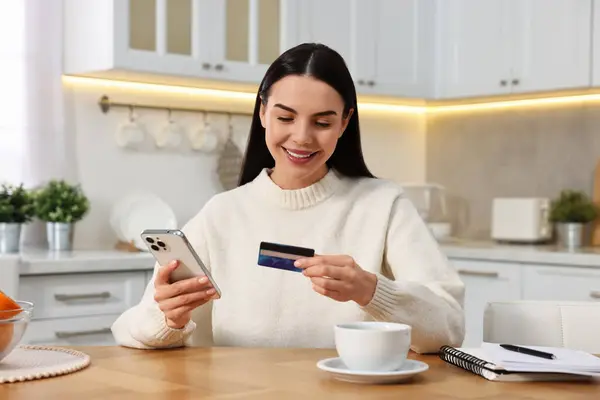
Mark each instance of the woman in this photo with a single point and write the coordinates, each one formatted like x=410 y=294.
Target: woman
x=303 y=183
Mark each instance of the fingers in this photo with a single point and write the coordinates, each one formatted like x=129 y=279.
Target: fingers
x=339 y=296
x=330 y=284
x=182 y=287
x=186 y=300
x=339 y=260
x=322 y=270
x=164 y=273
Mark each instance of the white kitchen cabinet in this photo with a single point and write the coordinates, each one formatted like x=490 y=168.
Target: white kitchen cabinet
x=387 y=44
x=83 y=331
x=545 y=282
x=596 y=44
x=512 y=46
x=485 y=281
x=225 y=40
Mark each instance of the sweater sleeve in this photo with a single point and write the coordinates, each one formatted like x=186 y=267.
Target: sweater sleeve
x=144 y=325
x=417 y=286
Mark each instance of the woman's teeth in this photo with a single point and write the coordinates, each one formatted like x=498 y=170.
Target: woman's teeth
x=291 y=153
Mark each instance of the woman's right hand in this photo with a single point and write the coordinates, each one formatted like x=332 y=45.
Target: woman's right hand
x=177 y=300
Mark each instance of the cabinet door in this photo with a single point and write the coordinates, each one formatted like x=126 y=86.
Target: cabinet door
x=168 y=37
x=245 y=38
x=552 y=45
x=555 y=283
x=596 y=45
x=474 y=51
x=402 y=41
x=485 y=282
x=329 y=22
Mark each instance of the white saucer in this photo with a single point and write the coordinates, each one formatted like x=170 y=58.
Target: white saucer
x=336 y=368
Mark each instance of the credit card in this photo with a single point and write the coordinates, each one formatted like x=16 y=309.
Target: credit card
x=282 y=256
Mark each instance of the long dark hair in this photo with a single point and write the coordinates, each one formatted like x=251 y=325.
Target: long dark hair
x=325 y=64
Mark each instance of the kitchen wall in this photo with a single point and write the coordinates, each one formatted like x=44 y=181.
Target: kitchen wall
x=533 y=151
x=394 y=146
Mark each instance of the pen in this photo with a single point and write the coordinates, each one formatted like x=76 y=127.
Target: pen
x=531 y=352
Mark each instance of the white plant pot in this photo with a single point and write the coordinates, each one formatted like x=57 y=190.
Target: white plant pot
x=59 y=235
x=10 y=237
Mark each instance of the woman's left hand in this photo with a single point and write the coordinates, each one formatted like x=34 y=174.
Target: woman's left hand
x=339 y=277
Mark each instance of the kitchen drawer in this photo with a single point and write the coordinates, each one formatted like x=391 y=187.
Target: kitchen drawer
x=561 y=283
x=83 y=331
x=71 y=295
x=485 y=281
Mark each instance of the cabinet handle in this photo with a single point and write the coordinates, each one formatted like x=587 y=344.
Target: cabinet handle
x=478 y=273
x=595 y=294
x=65 y=335
x=205 y=66
x=67 y=297
x=515 y=81
x=503 y=82
x=371 y=83
x=219 y=67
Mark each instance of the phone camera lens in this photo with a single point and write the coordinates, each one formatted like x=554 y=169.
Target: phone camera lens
x=155 y=247
x=161 y=244
x=149 y=240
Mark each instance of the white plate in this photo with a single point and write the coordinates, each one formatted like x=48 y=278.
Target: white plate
x=336 y=368
x=137 y=212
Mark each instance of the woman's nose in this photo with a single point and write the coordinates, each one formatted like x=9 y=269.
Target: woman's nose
x=301 y=134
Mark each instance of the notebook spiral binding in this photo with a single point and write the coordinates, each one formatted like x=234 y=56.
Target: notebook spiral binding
x=463 y=360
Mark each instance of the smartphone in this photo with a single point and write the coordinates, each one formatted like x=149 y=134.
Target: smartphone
x=167 y=245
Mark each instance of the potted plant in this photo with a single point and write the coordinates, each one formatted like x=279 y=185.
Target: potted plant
x=60 y=205
x=16 y=209
x=571 y=212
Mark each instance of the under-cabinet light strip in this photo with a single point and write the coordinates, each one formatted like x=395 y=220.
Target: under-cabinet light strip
x=370 y=106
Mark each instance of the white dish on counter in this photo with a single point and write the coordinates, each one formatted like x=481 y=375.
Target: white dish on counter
x=138 y=211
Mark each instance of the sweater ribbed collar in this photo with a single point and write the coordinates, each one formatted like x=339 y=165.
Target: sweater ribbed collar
x=295 y=199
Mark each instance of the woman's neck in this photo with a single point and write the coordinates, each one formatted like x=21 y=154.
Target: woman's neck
x=287 y=182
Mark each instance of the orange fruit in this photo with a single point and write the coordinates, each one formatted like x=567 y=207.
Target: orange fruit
x=6 y=335
x=8 y=307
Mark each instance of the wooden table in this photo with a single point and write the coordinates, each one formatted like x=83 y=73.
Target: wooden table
x=265 y=374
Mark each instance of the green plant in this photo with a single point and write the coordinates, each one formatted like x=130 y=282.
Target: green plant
x=573 y=206
x=16 y=204
x=59 y=201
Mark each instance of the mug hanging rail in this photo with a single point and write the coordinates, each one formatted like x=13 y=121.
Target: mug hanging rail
x=106 y=104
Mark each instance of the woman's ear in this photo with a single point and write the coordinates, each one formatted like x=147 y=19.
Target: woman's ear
x=346 y=121
x=262 y=114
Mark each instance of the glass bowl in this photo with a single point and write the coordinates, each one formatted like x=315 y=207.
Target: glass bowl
x=13 y=324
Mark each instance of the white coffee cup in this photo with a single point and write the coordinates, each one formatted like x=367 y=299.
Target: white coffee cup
x=373 y=346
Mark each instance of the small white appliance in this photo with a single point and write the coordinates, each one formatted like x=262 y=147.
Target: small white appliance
x=521 y=219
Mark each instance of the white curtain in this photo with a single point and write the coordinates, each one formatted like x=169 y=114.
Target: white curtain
x=35 y=145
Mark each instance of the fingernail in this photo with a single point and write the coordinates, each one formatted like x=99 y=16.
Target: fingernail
x=297 y=263
x=173 y=263
x=211 y=292
x=203 y=279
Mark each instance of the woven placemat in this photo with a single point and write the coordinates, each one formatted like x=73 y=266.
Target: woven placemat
x=26 y=363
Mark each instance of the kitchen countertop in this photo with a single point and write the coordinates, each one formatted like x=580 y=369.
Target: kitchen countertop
x=521 y=253
x=40 y=261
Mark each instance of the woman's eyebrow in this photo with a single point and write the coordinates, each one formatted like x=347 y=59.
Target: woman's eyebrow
x=319 y=114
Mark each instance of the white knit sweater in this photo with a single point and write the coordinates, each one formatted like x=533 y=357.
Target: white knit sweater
x=368 y=219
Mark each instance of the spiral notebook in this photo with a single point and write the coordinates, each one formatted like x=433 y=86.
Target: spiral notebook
x=494 y=363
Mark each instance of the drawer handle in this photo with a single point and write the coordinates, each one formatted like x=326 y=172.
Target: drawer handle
x=67 y=297
x=64 y=335
x=595 y=294
x=478 y=273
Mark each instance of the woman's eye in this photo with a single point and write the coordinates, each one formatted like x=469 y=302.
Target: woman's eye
x=323 y=124
x=284 y=119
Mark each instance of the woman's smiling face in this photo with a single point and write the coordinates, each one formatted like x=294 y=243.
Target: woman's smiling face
x=303 y=120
